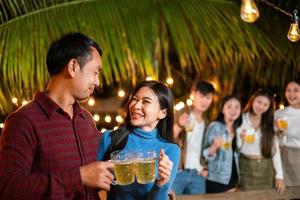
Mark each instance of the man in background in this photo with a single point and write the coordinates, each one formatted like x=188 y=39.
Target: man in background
x=188 y=133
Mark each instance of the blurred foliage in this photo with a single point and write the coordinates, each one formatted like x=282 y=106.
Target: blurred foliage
x=185 y=39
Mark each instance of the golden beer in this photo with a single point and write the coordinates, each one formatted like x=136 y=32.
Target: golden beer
x=189 y=127
x=249 y=138
x=226 y=145
x=124 y=172
x=145 y=171
x=282 y=124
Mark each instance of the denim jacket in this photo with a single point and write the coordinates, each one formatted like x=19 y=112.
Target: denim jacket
x=220 y=164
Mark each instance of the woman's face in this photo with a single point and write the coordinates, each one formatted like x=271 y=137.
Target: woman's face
x=260 y=105
x=144 y=109
x=231 y=110
x=292 y=94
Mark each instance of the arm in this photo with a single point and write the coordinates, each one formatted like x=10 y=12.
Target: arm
x=179 y=125
x=240 y=142
x=279 y=182
x=212 y=141
x=20 y=178
x=159 y=191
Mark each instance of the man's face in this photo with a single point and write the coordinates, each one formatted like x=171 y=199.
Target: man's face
x=87 y=78
x=202 y=102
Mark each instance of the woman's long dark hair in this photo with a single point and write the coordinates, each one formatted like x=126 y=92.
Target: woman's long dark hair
x=164 y=127
x=266 y=123
x=237 y=123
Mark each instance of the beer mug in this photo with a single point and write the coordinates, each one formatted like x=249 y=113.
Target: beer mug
x=226 y=142
x=145 y=164
x=124 y=167
x=189 y=127
x=250 y=136
x=282 y=123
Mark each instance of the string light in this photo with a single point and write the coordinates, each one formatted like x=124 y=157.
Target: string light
x=192 y=97
x=149 y=78
x=107 y=118
x=179 y=106
x=14 y=100
x=103 y=130
x=1 y=125
x=189 y=102
x=250 y=13
x=281 y=106
x=121 y=93
x=24 y=102
x=96 y=117
x=294 y=33
x=119 y=119
x=91 y=102
x=170 y=81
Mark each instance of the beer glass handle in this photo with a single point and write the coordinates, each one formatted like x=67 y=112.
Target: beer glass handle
x=114 y=182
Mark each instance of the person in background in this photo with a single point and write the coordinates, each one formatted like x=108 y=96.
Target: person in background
x=258 y=145
x=188 y=133
x=220 y=150
x=48 y=147
x=290 y=135
x=148 y=125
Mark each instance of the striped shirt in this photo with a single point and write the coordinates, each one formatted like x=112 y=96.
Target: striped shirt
x=41 y=150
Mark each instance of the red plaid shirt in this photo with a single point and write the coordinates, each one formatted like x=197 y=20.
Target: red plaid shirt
x=41 y=149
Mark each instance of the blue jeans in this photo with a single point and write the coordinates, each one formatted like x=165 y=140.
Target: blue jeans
x=188 y=181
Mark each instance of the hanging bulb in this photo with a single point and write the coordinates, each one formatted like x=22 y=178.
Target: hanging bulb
x=249 y=11
x=294 y=32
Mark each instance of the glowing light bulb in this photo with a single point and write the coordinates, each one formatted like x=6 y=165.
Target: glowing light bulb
x=119 y=119
x=281 y=106
x=91 y=102
x=294 y=33
x=189 y=102
x=107 y=118
x=149 y=78
x=249 y=11
x=170 y=81
x=96 y=118
x=1 y=125
x=24 y=102
x=121 y=93
x=192 y=97
x=14 y=100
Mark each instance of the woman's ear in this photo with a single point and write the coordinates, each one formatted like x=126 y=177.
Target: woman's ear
x=162 y=114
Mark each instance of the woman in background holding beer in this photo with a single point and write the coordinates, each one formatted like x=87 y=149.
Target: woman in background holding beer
x=147 y=126
x=290 y=133
x=258 y=145
x=220 y=147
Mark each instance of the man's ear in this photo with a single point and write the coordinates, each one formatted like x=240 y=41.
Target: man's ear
x=72 y=67
x=162 y=114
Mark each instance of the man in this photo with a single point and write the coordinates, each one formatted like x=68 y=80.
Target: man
x=188 y=132
x=48 y=147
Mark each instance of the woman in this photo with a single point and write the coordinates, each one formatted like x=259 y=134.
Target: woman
x=220 y=147
x=290 y=137
x=258 y=145
x=148 y=125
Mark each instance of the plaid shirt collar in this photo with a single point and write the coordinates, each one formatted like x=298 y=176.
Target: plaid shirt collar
x=49 y=106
